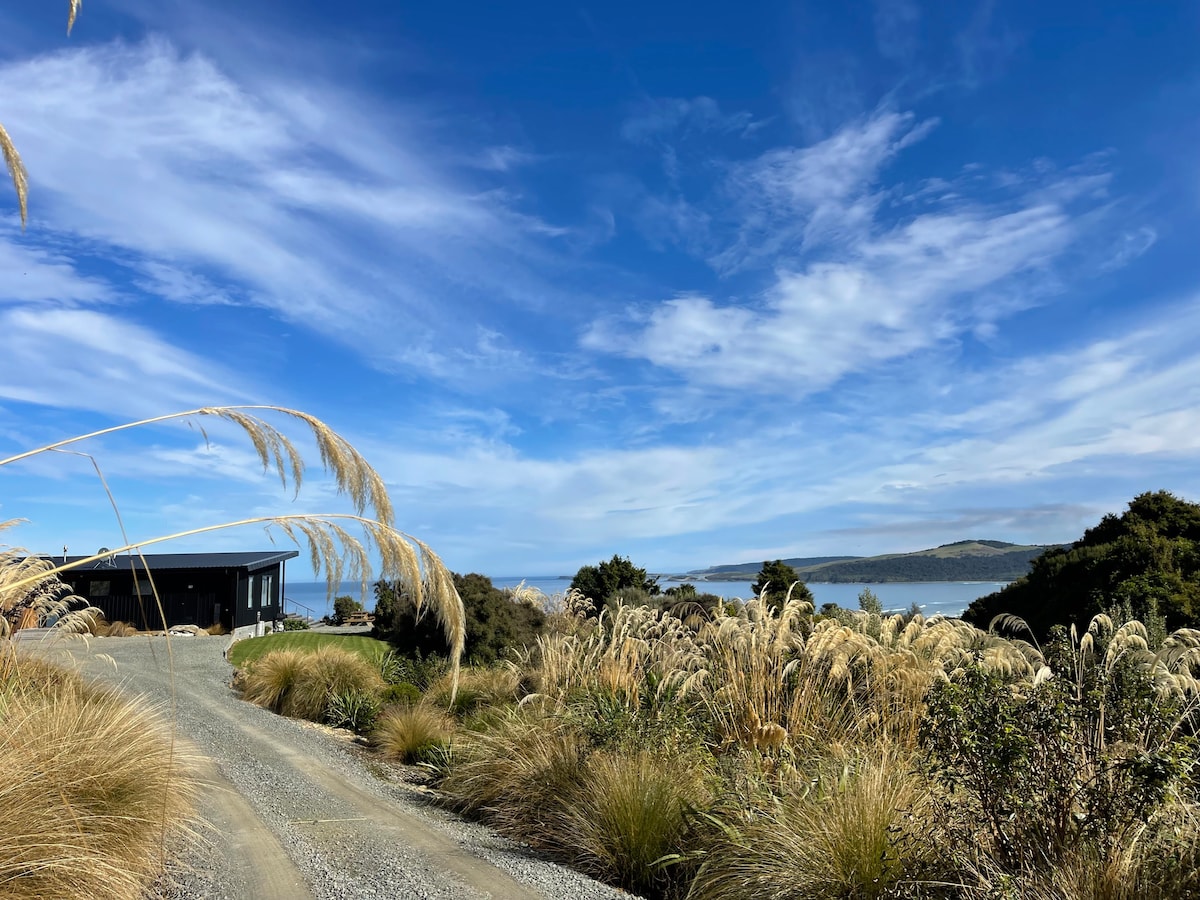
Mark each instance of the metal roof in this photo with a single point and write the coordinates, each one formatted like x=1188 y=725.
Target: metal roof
x=161 y=562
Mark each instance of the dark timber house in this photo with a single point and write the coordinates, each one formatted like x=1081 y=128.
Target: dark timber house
x=235 y=589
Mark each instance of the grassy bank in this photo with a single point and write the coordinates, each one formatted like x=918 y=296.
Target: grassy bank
x=251 y=649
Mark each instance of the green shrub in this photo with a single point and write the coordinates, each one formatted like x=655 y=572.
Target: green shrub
x=1068 y=767
x=342 y=608
x=402 y=694
x=495 y=622
x=295 y=625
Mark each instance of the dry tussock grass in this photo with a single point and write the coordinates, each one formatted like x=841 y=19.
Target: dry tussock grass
x=519 y=773
x=628 y=812
x=93 y=788
x=852 y=831
x=411 y=734
x=299 y=683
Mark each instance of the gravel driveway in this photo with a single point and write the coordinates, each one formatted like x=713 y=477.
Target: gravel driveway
x=297 y=812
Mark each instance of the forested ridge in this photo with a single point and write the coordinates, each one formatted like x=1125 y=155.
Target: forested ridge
x=971 y=560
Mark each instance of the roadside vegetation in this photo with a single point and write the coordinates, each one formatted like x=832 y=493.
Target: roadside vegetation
x=684 y=747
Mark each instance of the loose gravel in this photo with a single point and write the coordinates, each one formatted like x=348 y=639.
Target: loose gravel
x=296 y=810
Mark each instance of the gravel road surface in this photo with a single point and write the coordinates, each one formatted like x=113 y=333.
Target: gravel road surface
x=296 y=812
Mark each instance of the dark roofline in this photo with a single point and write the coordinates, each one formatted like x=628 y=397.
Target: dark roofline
x=250 y=561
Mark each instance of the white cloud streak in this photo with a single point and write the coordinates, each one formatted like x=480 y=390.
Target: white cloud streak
x=288 y=195
x=863 y=276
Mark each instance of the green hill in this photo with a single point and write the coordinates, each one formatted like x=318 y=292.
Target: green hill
x=971 y=560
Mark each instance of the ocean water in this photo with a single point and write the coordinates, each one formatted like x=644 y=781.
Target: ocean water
x=947 y=598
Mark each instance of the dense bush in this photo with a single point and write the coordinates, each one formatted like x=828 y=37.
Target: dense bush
x=774 y=582
x=1081 y=761
x=1148 y=559
x=400 y=694
x=343 y=607
x=495 y=622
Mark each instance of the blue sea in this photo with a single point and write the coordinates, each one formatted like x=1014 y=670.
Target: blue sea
x=947 y=598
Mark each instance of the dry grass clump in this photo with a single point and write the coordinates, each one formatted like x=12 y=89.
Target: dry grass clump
x=269 y=681
x=534 y=777
x=300 y=684
x=628 y=812
x=853 y=832
x=412 y=734
x=494 y=686
x=519 y=774
x=93 y=788
x=325 y=672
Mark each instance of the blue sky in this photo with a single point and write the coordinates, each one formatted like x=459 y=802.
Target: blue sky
x=691 y=283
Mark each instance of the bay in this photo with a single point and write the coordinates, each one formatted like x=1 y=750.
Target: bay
x=947 y=598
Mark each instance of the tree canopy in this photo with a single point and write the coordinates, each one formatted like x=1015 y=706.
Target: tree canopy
x=494 y=621
x=776 y=578
x=1146 y=560
x=601 y=581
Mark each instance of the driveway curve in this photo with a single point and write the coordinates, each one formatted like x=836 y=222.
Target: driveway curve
x=294 y=812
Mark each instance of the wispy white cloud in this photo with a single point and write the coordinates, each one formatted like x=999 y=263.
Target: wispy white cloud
x=663 y=117
x=89 y=360
x=34 y=274
x=865 y=273
x=799 y=198
x=282 y=194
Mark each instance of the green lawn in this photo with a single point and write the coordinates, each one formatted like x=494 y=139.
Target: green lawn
x=251 y=649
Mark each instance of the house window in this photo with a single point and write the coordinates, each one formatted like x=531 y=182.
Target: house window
x=145 y=588
x=266 y=587
x=99 y=588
